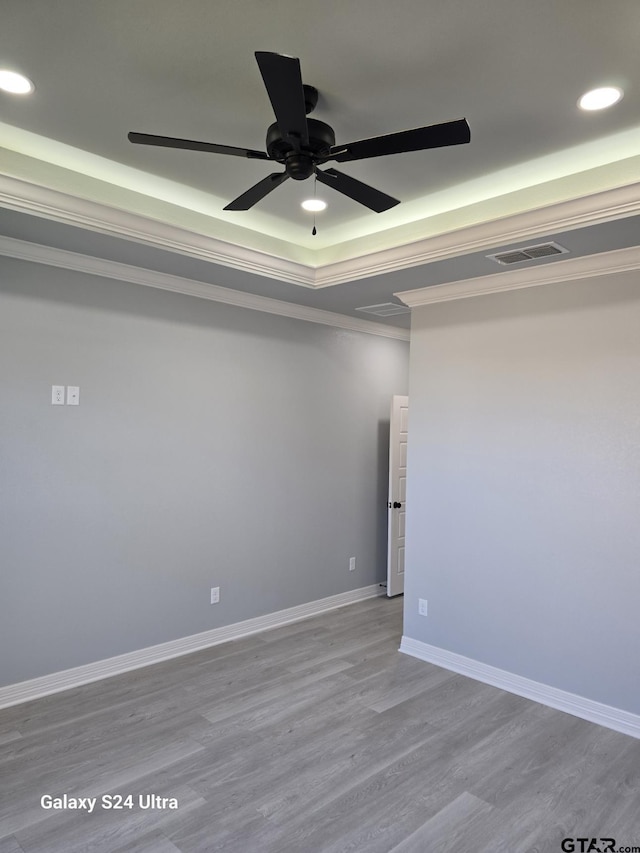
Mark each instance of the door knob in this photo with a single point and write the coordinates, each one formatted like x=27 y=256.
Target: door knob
x=397 y=504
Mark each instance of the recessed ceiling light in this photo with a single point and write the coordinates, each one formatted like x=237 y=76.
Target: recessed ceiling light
x=314 y=204
x=599 y=99
x=17 y=84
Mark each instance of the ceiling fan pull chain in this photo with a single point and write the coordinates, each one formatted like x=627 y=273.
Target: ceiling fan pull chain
x=315 y=187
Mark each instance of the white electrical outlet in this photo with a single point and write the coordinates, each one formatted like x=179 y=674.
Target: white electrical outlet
x=57 y=395
x=215 y=594
x=352 y=564
x=422 y=606
x=73 y=395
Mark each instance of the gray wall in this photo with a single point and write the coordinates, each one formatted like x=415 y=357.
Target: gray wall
x=213 y=446
x=523 y=526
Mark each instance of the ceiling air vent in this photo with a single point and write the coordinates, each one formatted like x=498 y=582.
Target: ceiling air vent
x=530 y=253
x=384 y=309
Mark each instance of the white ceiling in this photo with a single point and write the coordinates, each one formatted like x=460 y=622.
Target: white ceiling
x=513 y=68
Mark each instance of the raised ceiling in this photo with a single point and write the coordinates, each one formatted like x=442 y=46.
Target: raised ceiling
x=513 y=69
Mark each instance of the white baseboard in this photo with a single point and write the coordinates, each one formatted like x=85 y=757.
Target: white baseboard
x=595 y=712
x=35 y=688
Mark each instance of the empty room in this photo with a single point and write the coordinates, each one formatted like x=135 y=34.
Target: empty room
x=319 y=459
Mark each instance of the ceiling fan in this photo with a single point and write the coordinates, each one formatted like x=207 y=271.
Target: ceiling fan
x=302 y=144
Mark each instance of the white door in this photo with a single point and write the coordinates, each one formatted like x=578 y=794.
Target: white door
x=397 y=493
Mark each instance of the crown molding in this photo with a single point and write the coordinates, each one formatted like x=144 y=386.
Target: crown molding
x=571 y=269
x=26 y=197
x=593 y=209
x=37 y=253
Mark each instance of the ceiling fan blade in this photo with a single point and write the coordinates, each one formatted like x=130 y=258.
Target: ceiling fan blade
x=283 y=80
x=192 y=145
x=436 y=136
x=257 y=192
x=363 y=193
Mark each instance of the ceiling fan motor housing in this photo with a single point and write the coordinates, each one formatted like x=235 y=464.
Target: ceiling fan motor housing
x=300 y=163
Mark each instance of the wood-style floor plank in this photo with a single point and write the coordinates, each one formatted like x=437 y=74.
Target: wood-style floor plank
x=315 y=737
x=441 y=834
x=10 y=845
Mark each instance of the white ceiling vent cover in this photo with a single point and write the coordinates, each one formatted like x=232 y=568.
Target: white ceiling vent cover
x=530 y=253
x=384 y=309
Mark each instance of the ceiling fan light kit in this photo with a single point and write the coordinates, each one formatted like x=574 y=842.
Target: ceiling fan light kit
x=314 y=205
x=303 y=144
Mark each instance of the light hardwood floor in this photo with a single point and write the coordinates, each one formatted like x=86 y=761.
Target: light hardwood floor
x=317 y=737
